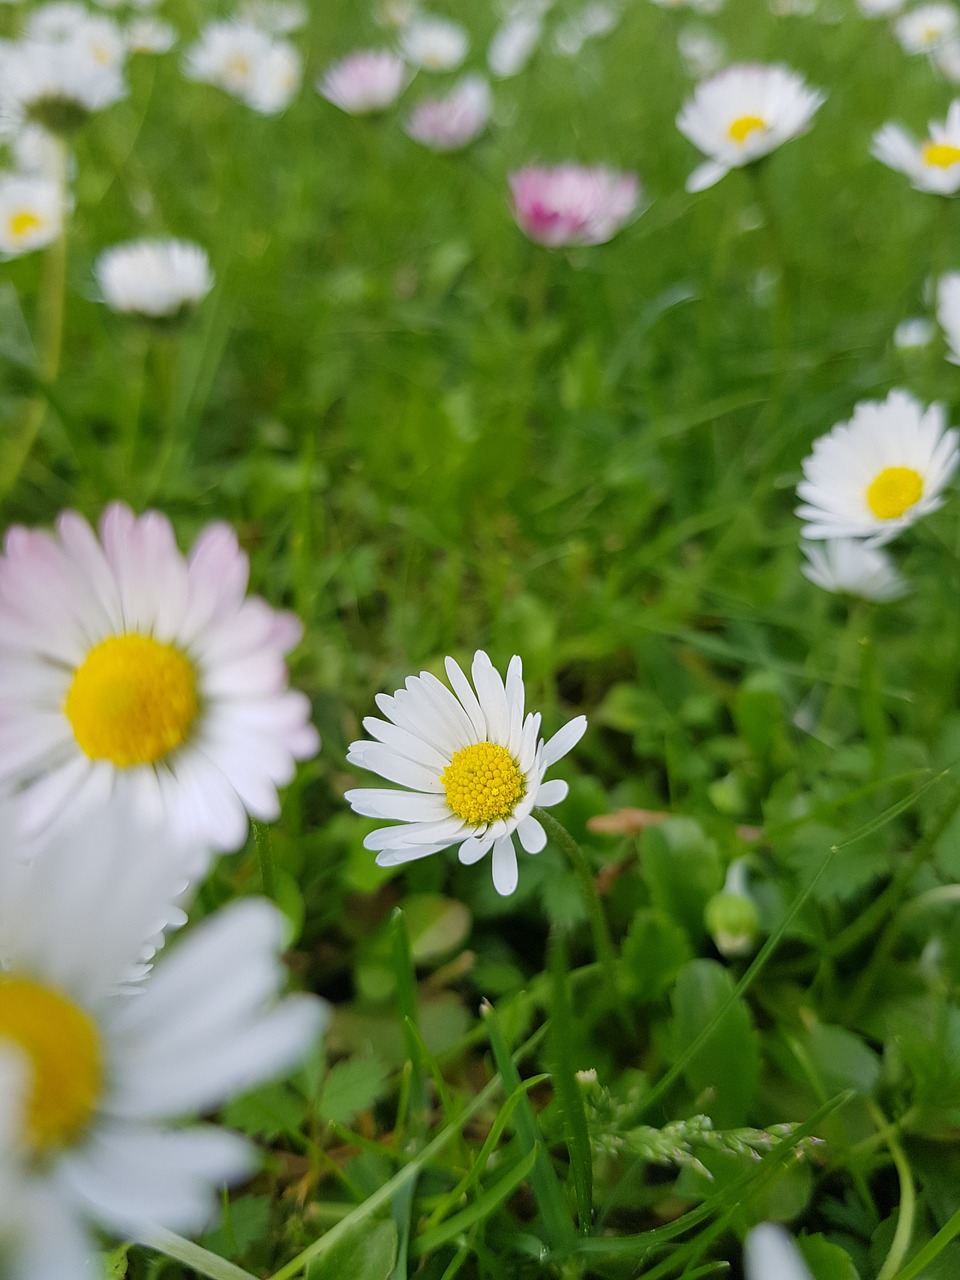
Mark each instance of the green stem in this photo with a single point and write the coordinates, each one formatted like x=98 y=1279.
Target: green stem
x=847 y=664
x=908 y=1203
x=932 y=1249
x=780 y=312
x=261 y=839
x=602 y=942
x=194 y=1256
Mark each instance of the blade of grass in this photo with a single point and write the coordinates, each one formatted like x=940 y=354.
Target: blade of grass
x=569 y=1096
x=481 y=1209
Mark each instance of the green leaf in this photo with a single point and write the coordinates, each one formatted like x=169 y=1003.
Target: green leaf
x=827 y=1261
x=267 y=1113
x=368 y=1254
x=683 y=871
x=654 y=950
x=841 y=1059
x=245 y=1221
x=723 y=1074
x=352 y=1086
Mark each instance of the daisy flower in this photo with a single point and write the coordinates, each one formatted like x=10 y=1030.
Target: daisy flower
x=913 y=334
x=435 y=44
x=932 y=165
x=59 y=85
x=847 y=566
x=926 y=28
x=742 y=113
x=593 y=20
x=770 y=1254
x=879 y=473
x=150 y=35
x=948 y=313
x=106 y=1077
x=451 y=122
x=364 y=82
x=571 y=204
x=513 y=44
x=703 y=53
x=473 y=766
x=879 y=8
x=153 y=278
x=277 y=17
x=129 y=670
x=248 y=63
x=31 y=212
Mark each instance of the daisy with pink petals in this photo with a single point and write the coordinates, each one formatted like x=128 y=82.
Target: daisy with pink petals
x=129 y=670
x=570 y=204
x=472 y=764
x=454 y=121
x=365 y=82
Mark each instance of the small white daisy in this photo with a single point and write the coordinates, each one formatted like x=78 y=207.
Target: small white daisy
x=365 y=82
x=946 y=59
x=926 y=28
x=913 y=334
x=248 y=63
x=106 y=1076
x=932 y=165
x=770 y=1254
x=31 y=213
x=513 y=45
x=127 y=669
x=277 y=17
x=473 y=765
x=742 y=113
x=948 y=313
x=702 y=51
x=593 y=20
x=58 y=85
x=879 y=473
x=454 y=121
x=848 y=566
x=150 y=35
x=434 y=44
x=155 y=278
x=57 y=21
x=879 y=8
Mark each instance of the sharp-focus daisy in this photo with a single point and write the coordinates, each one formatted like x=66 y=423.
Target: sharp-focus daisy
x=59 y=85
x=932 y=165
x=571 y=204
x=105 y=1076
x=879 y=473
x=364 y=82
x=127 y=669
x=770 y=1254
x=743 y=113
x=31 y=212
x=247 y=63
x=150 y=35
x=435 y=44
x=948 y=313
x=445 y=124
x=848 y=566
x=473 y=765
x=154 y=278
x=513 y=44
x=926 y=28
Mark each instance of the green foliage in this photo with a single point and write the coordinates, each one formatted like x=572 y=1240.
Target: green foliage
x=369 y=1255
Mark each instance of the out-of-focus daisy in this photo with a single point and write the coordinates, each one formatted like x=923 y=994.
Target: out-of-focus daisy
x=395 y=13
x=948 y=313
x=130 y=670
x=924 y=29
x=879 y=8
x=247 y=63
x=848 y=566
x=31 y=212
x=473 y=766
x=451 y=122
x=702 y=51
x=913 y=334
x=770 y=1254
x=946 y=59
x=932 y=165
x=435 y=44
x=90 y=36
x=278 y=17
x=36 y=152
x=513 y=45
x=154 y=278
x=58 y=21
x=364 y=82
x=879 y=473
x=571 y=204
x=58 y=85
x=700 y=6
x=105 y=1076
x=593 y=20
x=743 y=113
x=150 y=35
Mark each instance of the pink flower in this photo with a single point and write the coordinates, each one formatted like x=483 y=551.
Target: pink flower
x=572 y=204
x=445 y=124
x=364 y=82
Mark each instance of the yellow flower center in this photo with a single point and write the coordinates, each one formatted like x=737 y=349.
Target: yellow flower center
x=132 y=700
x=22 y=223
x=483 y=783
x=894 y=491
x=940 y=154
x=741 y=128
x=237 y=67
x=61 y=1047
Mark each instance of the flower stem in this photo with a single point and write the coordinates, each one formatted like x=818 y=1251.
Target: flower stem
x=908 y=1201
x=602 y=942
x=261 y=838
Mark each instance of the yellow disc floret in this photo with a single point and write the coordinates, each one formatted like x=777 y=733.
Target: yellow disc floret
x=23 y=222
x=940 y=155
x=894 y=491
x=741 y=128
x=60 y=1046
x=132 y=701
x=483 y=783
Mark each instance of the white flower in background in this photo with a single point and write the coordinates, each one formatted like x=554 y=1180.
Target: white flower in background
x=848 y=566
x=58 y=85
x=596 y=19
x=513 y=44
x=473 y=764
x=56 y=22
x=131 y=670
x=702 y=51
x=434 y=44
x=36 y=152
x=451 y=122
x=932 y=165
x=364 y=82
x=700 y=6
x=277 y=17
x=770 y=1254
x=913 y=334
x=743 y=113
x=946 y=59
x=132 y=4
x=247 y=63
x=395 y=13
x=948 y=313
x=926 y=28
x=31 y=213
x=880 y=8
x=155 y=278
x=103 y=1077
x=879 y=473
x=150 y=35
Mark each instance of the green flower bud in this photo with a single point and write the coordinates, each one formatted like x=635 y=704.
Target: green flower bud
x=733 y=923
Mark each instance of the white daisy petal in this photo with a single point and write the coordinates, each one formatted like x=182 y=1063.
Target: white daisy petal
x=505 y=872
